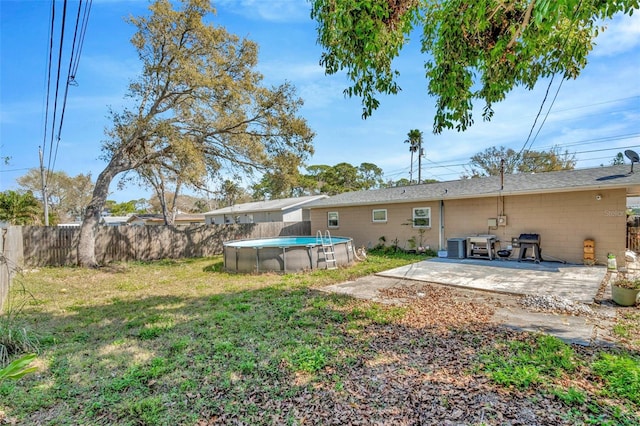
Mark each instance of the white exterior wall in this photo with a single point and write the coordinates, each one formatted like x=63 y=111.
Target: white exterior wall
x=292 y=215
x=256 y=217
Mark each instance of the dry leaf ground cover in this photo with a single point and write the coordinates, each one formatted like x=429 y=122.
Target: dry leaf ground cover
x=185 y=343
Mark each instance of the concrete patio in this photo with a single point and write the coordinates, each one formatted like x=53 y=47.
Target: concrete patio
x=577 y=283
x=507 y=280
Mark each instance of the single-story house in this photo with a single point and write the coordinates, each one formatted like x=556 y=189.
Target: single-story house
x=158 y=219
x=113 y=220
x=283 y=210
x=563 y=208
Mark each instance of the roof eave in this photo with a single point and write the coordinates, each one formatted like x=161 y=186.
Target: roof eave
x=497 y=193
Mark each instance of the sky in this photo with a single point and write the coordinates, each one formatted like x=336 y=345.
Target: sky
x=595 y=116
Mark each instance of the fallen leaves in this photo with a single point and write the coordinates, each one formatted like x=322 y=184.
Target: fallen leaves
x=438 y=307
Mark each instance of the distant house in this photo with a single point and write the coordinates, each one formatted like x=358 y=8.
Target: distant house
x=564 y=208
x=69 y=225
x=114 y=220
x=283 y=210
x=156 y=219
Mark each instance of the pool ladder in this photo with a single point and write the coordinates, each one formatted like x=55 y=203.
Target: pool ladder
x=328 y=250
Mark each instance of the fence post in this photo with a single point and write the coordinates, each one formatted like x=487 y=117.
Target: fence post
x=11 y=259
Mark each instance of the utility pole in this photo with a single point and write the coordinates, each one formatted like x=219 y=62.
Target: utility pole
x=44 y=189
x=420 y=154
x=411 y=168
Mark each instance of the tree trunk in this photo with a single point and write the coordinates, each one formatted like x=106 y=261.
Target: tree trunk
x=87 y=242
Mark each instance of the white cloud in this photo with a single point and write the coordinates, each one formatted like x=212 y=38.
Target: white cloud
x=622 y=34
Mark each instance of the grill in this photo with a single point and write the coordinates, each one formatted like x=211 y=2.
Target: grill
x=529 y=242
x=481 y=246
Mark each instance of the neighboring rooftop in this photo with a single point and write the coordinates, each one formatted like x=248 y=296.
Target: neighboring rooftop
x=514 y=184
x=269 y=205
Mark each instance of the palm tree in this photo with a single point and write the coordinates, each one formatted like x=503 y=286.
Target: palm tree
x=415 y=145
x=18 y=209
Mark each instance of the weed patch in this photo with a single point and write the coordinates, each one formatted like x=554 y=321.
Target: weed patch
x=621 y=373
x=530 y=362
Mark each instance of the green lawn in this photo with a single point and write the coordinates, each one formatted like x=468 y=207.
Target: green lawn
x=181 y=342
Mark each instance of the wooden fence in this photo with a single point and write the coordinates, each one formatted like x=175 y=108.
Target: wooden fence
x=633 y=239
x=10 y=259
x=50 y=246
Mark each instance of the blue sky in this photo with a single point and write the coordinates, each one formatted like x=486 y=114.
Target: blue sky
x=595 y=116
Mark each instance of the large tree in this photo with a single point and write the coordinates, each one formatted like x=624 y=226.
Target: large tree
x=492 y=160
x=474 y=49
x=67 y=196
x=199 y=97
x=284 y=181
x=343 y=177
x=170 y=175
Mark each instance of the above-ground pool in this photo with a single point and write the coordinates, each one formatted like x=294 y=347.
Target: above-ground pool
x=286 y=254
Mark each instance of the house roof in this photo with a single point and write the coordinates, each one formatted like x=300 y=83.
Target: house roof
x=114 y=219
x=270 y=205
x=180 y=217
x=612 y=177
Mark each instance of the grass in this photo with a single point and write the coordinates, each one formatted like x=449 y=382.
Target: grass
x=181 y=342
x=540 y=360
x=627 y=327
x=15 y=336
x=522 y=364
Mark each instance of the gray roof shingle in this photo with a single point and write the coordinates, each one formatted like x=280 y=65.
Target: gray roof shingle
x=270 y=205
x=514 y=184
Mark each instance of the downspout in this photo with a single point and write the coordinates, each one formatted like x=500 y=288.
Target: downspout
x=441 y=243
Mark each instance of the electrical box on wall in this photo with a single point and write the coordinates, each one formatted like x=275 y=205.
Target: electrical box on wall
x=492 y=222
x=502 y=221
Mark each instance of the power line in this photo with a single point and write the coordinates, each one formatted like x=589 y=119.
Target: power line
x=449 y=163
x=55 y=99
x=524 y=147
x=14 y=170
x=83 y=31
x=611 y=101
x=48 y=97
x=448 y=166
x=49 y=133
x=74 y=61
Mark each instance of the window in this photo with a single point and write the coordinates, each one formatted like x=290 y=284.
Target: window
x=332 y=219
x=380 y=215
x=422 y=217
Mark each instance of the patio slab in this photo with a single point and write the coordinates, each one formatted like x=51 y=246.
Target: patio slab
x=577 y=283
x=507 y=281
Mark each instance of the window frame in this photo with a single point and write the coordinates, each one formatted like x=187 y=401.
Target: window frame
x=373 y=216
x=427 y=218
x=329 y=219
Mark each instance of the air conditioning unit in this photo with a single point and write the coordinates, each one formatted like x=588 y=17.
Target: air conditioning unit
x=457 y=248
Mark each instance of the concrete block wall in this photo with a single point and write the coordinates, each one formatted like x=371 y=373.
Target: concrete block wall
x=563 y=220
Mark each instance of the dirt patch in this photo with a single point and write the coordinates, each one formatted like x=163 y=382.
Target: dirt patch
x=430 y=303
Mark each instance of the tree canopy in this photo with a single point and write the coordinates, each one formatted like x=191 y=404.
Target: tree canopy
x=126 y=207
x=19 y=208
x=68 y=196
x=318 y=179
x=490 y=161
x=198 y=103
x=474 y=49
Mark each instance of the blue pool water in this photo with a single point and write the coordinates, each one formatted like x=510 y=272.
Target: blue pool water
x=282 y=242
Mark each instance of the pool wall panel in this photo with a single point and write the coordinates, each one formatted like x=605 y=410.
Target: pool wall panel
x=294 y=258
